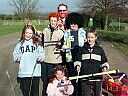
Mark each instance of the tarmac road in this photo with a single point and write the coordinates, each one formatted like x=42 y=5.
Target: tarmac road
x=6 y=65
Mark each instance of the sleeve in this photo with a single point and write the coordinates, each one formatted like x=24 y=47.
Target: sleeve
x=58 y=37
x=17 y=53
x=61 y=34
x=44 y=34
x=61 y=38
x=44 y=30
x=77 y=56
x=104 y=60
x=40 y=53
x=67 y=43
x=65 y=36
x=83 y=37
x=50 y=90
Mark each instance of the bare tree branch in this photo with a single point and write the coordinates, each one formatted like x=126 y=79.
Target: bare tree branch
x=24 y=8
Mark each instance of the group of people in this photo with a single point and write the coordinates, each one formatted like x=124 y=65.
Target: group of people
x=63 y=49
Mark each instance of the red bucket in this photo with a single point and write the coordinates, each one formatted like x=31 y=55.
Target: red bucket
x=116 y=88
x=124 y=90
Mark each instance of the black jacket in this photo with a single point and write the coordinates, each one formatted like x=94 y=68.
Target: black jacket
x=91 y=58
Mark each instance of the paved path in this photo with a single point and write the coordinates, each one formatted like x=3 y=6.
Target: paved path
x=7 y=81
x=6 y=65
x=116 y=58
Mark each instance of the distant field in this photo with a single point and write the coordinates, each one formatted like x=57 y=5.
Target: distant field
x=7 y=27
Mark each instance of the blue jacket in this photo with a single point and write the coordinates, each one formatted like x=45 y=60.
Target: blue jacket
x=27 y=54
x=68 y=39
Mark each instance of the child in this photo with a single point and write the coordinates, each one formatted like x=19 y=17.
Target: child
x=51 y=34
x=93 y=60
x=59 y=84
x=28 y=53
x=74 y=37
x=52 y=58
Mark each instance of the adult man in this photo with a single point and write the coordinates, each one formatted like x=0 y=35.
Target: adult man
x=62 y=13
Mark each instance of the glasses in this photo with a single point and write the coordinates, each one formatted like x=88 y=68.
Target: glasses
x=62 y=10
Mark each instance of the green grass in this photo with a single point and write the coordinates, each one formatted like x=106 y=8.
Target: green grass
x=117 y=24
x=4 y=29
x=114 y=36
x=8 y=27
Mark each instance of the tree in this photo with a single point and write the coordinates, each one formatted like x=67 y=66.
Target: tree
x=105 y=7
x=24 y=8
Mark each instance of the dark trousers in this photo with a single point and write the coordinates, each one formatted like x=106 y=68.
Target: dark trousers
x=29 y=86
x=90 y=88
x=70 y=68
x=72 y=72
x=43 y=78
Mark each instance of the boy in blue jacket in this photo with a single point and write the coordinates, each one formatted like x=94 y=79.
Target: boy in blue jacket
x=74 y=37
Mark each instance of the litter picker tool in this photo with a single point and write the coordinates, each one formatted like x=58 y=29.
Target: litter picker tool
x=95 y=74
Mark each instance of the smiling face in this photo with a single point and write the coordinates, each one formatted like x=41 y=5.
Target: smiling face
x=91 y=39
x=74 y=27
x=59 y=74
x=28 y=34
x=62 y=10
x=53 y=22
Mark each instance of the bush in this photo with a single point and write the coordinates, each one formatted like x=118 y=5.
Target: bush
x=116 y=28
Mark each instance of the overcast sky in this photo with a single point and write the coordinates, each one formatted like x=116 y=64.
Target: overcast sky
x=43 y=5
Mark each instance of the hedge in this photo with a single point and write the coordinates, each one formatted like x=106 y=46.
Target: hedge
x=121 y=37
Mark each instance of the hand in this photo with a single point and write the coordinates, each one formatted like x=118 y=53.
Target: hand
x=64 y=91
x=58 y=45
x=104 y=69
x=39 y=62
x=17 y=61
x=77 y=68
x=64 y=46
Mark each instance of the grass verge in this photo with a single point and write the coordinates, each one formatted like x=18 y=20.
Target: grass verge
x=17 y=26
